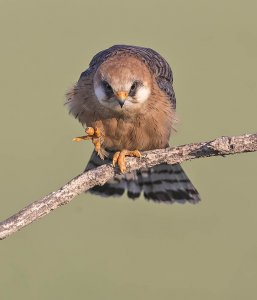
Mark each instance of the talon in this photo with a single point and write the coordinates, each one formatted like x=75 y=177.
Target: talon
x=115 y=158
x=98 y=132
x=77 y=139
x=137 y=153
x=82 y=138
x=90 y=130
x=95 y=135
x=120 y=158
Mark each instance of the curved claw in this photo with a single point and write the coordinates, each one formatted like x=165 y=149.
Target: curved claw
x=115 y=158
x=81 y=138
x=90 y=131
x=120 y=158
x=95 y=135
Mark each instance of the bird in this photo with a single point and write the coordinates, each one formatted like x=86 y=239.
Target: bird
x=126 y=100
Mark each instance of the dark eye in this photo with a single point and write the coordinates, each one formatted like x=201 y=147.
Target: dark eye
x=108 y=89
x=106 y=86
x=133 y=88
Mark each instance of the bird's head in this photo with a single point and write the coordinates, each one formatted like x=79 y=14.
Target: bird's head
x=122 y=83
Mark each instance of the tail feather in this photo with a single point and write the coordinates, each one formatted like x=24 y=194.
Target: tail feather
x=132 y=185
x=161 y=183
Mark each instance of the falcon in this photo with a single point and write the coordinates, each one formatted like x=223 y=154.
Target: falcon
x=126 y=100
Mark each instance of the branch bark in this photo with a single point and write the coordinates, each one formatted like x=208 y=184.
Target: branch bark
x=219 y=147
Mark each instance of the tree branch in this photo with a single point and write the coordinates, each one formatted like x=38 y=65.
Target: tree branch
x=219 y=147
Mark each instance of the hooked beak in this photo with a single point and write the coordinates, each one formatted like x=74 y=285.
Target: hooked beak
x=121 y=97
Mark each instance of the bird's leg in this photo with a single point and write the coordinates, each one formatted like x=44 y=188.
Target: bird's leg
x=95 y=135
x=119 y=158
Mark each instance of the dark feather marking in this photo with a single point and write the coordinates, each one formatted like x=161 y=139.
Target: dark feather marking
x=133 y=195
x=161 y=181
x=107 y=190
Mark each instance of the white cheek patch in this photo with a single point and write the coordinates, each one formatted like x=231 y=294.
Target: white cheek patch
x=142 y=94
x=99 y=92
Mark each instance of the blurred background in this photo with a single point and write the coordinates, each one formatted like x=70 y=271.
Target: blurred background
x=96 y=248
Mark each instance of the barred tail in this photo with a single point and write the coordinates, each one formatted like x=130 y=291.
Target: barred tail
x=161 y=183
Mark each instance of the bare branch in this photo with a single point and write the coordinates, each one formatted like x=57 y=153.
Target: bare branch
x=219 y=147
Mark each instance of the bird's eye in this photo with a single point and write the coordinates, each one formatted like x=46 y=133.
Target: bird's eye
x=107 y=86
x=133 y=86
x=108 y=89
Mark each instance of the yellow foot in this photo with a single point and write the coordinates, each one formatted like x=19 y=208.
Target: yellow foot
x=119 y=158
x=96 y=137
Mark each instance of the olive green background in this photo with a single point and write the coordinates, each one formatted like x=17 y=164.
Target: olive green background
x=96 y=248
